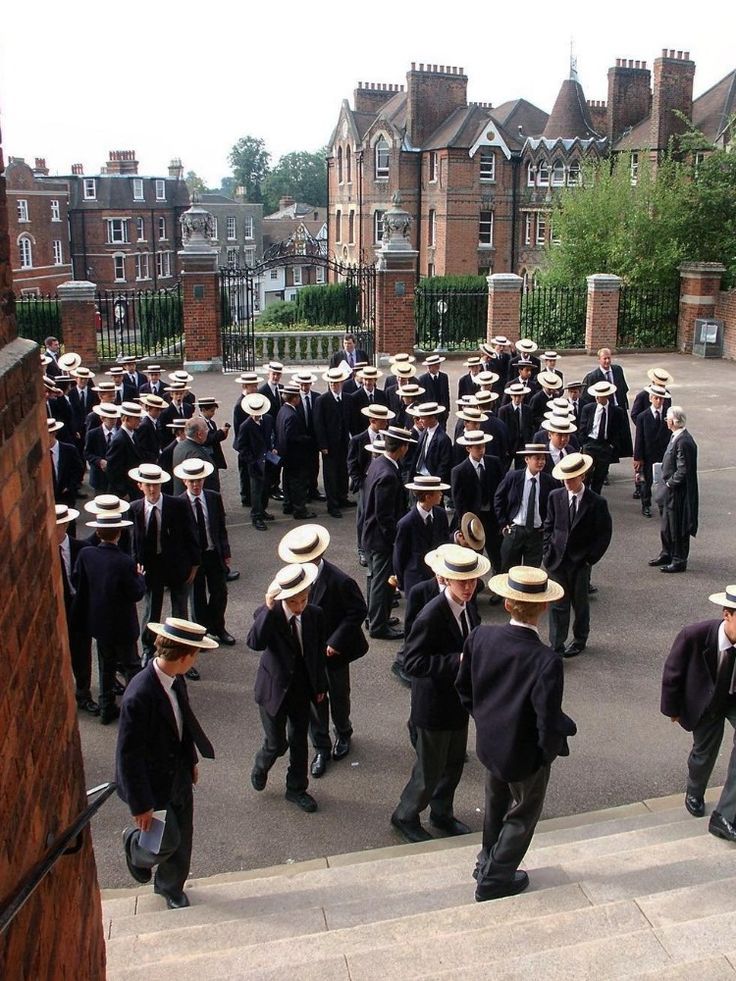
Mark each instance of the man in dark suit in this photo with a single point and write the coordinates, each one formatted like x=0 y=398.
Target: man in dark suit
x=437 y=385
x=290 y=631
x=80 y=643
x=209 y=588
x=254 y=443
x=650 y=443
x=604 y=432
x=699 y=693
x=166 y=545
x=434 y=451
x=608 y=372
x=332 y=433
x=432 y=656
x=108 y=585
x=520 y=504
x=496 y=358
x=341 y=601
x=307 y=403
x=350 y=354
x=679 y=494
x=156 y=758
x=577 y=533
x=82 y=396
x=293 y=445
x=474 y=485
x=124 y=455
x=52 y=350
x=359 y=458
x=271 y=388
x=512 y=685
x=193 y=446
x=368 y=394
x=383 y=508
x=216 y=435
x=517 y=417
x=149 y=434
x=67 y=467
x=421 y=530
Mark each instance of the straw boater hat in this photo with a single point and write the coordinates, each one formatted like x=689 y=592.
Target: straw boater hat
x=303 y=377
x=128 y=359
x=292 y=580
x=152 y=369
x=402 y=369
x=516 y=388
x=601 y=388
x=377 y=446
x=475 y=362
x=289 y=390
x=377 y=411
x=471 y=413
x=109 y=519
x=65 y=514
x=154 y=401
x=339 y=374
x=273 y=366
x=304 y=544
x=533 y=449
x=433 y=359
x=484 y=397
x=572 y=465
x=550 y=356
x=425 y=409
x=63 y=379
x=474 y=437
x=115 y=372
x=49 y=385
x=472 y=530
x=106 y=504
x=558 y=423
x=45 y=359
x=664 y=393
x=573 y=384
x=727 y=598
x=526 y=584
x=501 y=339
x=149 y=473
x=69 y=361
x=486 y=378
x=255 y=404
x=526 y=346
x=356 y=367
x=660 y=376
x=397 y=432
x=185 y=632
x=426 y=483
x=401 y=358
x=560 y=405
x=411 y=391
x=549 y=379
x=180 y=376
x=106 y=410
x=131 y=409
x=457 y=562
x=177 y=387
x=370 y=372
x=54 y=425
x=82 y=373
x=194 y=469
x=104 y=386
x=248 y=378
x=208 y=402
x=177 y=424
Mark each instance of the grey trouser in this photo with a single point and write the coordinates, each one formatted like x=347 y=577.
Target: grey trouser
x=707 y=738
x=436 y=773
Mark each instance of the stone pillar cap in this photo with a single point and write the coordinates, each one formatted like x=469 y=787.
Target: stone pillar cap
x=504 y=281
x=604 y=282
x=75 y=289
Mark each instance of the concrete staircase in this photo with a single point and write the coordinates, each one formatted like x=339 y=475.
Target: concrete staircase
x=635 y=891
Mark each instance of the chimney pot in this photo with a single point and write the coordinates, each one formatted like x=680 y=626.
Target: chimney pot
x=687 y=56
x=679 y=55
x=413 y=66
x=421 y=66
x=664 y=52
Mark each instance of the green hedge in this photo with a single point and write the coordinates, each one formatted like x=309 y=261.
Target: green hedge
x=333 y=304
x=38 y=318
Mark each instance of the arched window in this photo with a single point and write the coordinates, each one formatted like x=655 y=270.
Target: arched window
x=348 y=165
x=531 y=175
x=558 y=173
x=338 y=225
x=573 y=174
x=26 y=251
x=381 y=159
x=543 y=173
x=339 y=165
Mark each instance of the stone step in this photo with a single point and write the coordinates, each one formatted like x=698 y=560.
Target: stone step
x=710 y=968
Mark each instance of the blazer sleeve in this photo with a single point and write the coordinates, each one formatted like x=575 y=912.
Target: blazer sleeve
x=464 y=679
x=553 y=726
x=262 y=629
x=674 y=676
x=348 y=637
x=132 y=772
x=402 y=549
x=419 y=659
x=603 y=530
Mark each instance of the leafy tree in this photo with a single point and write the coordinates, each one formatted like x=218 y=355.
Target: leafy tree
x=301 y=175
x=195 y=183
x=251 y=162
x=227 y=186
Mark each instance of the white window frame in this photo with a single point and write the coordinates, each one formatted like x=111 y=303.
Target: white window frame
x=118 y=265
x=248 y=227
x=574 y=174
x=634 y=168
x=541 y=236
x=163 y=265
x=162 y=236
x=543 y=174
x=698 y=161
x=25 y=247
x=296 y=275
x=528 y=221
x=554 y=236
x=432 y=228
x=140 y=230
x=214 y=228
x=58 y=250
x=531 y=175
x=250 y=257
x=274 y=274
x=160 y=189
x=231 y=228
x=142 y=270
x=55 y=210
x=232 y=257
x=117 y=231
x=338 y=225
x=487 y=166
x=89 y=189
x=558 y=173
x=22 y=210
x=485 y=228
x=319 y=274
x=382 y=160
x=378 y=227
x=138 y=189
x=433 y=166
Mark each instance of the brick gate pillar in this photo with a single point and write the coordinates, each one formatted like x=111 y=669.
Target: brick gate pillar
x=396 y=279
x=200 y=290
x=79 y=319
x=700 y=284
x=601 y=318
x=504 y=305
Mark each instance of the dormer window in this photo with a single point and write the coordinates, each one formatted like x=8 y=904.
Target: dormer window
x=487 y=165
x=382 y=159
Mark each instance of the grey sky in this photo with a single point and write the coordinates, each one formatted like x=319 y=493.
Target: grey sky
x=186 y=80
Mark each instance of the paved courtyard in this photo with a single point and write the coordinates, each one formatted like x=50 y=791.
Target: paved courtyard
x=624 y=751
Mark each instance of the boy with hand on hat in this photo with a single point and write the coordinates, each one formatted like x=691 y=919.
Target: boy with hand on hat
x=123 y=454
x=290 y=632
x=512 y=685
x=431 y=660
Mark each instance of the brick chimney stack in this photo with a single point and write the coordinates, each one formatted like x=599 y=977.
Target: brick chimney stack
x=77 y=169
x=370 y=96
x=433 y=92
x=40 y=170
x=121 y=162
x=674 y=73
x=286 y=202
x=629 y=95
x=176 y=169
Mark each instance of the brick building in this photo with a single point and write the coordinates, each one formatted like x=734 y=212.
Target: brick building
x=237 y=228
x=297 y=228
x=124 y=227
x=478 y=180
x=38 y=224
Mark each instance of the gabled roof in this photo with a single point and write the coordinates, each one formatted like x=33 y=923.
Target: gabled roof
x=570 y=116
x=636 y=137
x=459 y=129
x=713 y=109
x=297 y=210
x=520 y=113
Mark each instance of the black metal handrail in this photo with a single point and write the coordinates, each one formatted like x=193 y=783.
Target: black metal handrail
x=12 y=904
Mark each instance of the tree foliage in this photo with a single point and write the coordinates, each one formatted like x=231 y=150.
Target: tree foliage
x=301 y=175
x=195 y=183
x=251 y=162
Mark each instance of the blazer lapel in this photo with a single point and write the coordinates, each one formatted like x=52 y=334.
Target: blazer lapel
x=166 y=709
x=452 y=622
x=584 y=505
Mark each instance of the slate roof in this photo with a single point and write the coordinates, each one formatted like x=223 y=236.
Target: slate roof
x=570 y=116
x=713 y=109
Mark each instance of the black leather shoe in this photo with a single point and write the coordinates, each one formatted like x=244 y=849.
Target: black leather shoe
x=258 y=778
x=674 y=567
x=334 y=513
x=232 y=575
x=388 y=633
x=393 y=621
x=287 y=509
x=362 y=560
x=303 y=515
x=348 y=503
x=139 y=874
x=592 y=590
x=637 y=493
x=411 y=831
x=109 y=715
x=647 y=512
x=267 y=516
x=398 y=670
x=451 y=826
x=500 y=889
x=192 y=675
x=260 y=525
x=174 y=900
x=721 y=828
x=341 y=748
x=276 y=495
x=316 y=496
x=89 y=706
x=695 y=805
x=660 y=560
x=225 y=638
x=572 y=650
x=302 y=799
x=319 y=765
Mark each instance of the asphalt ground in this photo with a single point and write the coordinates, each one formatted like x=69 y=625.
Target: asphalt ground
x=624 y=751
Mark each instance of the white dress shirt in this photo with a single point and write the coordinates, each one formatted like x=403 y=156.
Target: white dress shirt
x=457 y=609
x=167 y=683
x=520 y=518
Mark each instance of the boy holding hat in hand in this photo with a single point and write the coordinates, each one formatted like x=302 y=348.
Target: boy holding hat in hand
x=512 y=684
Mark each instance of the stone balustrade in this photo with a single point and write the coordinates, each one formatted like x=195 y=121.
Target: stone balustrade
x=297 y=346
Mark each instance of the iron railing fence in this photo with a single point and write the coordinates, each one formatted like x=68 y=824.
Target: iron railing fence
x=554 y=316
x=146 y=323
x=452 y=319
x=38 y=317
x=647 y=317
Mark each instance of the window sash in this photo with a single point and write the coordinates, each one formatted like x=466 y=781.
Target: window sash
x=141 y=266
x=487 y=165
x=26 y=253
x=527 y=229
x=432 y=227
x=90 y=189
x=138 y=189
x=160 y=190
x=382 y=159
x=117 y=231
x=485 y=228
x=140 y=229
x=119 y=262
x=297 y=275
x=433 y=166
x=22 y=210
x=58 y=252
x=541 y=229
x=162 y=229
x=231 y=228
x=55 y=210
x=249 y=226
x=378 y=226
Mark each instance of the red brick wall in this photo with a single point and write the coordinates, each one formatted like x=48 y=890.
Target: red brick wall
x=433 y=93
x=58 y=934
x=629 y=95
x=201 y=314
x=395 y=330
x=601 y=319
x=504 y=307
x=672 y=92
x=726 y=311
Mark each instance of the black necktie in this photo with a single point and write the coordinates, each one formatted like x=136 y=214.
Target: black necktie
x=68 y=588
x=109 y=438
x=305 y=401
x=370 y=398
x=531 y=504
x=201 y=526
x=422 y=452
x=295 y=633
x=152 y=533
x=464 y=623
x=601 y=435
x=656 y=416
x=573 y=510
x=723 y=679
x=191 y=722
